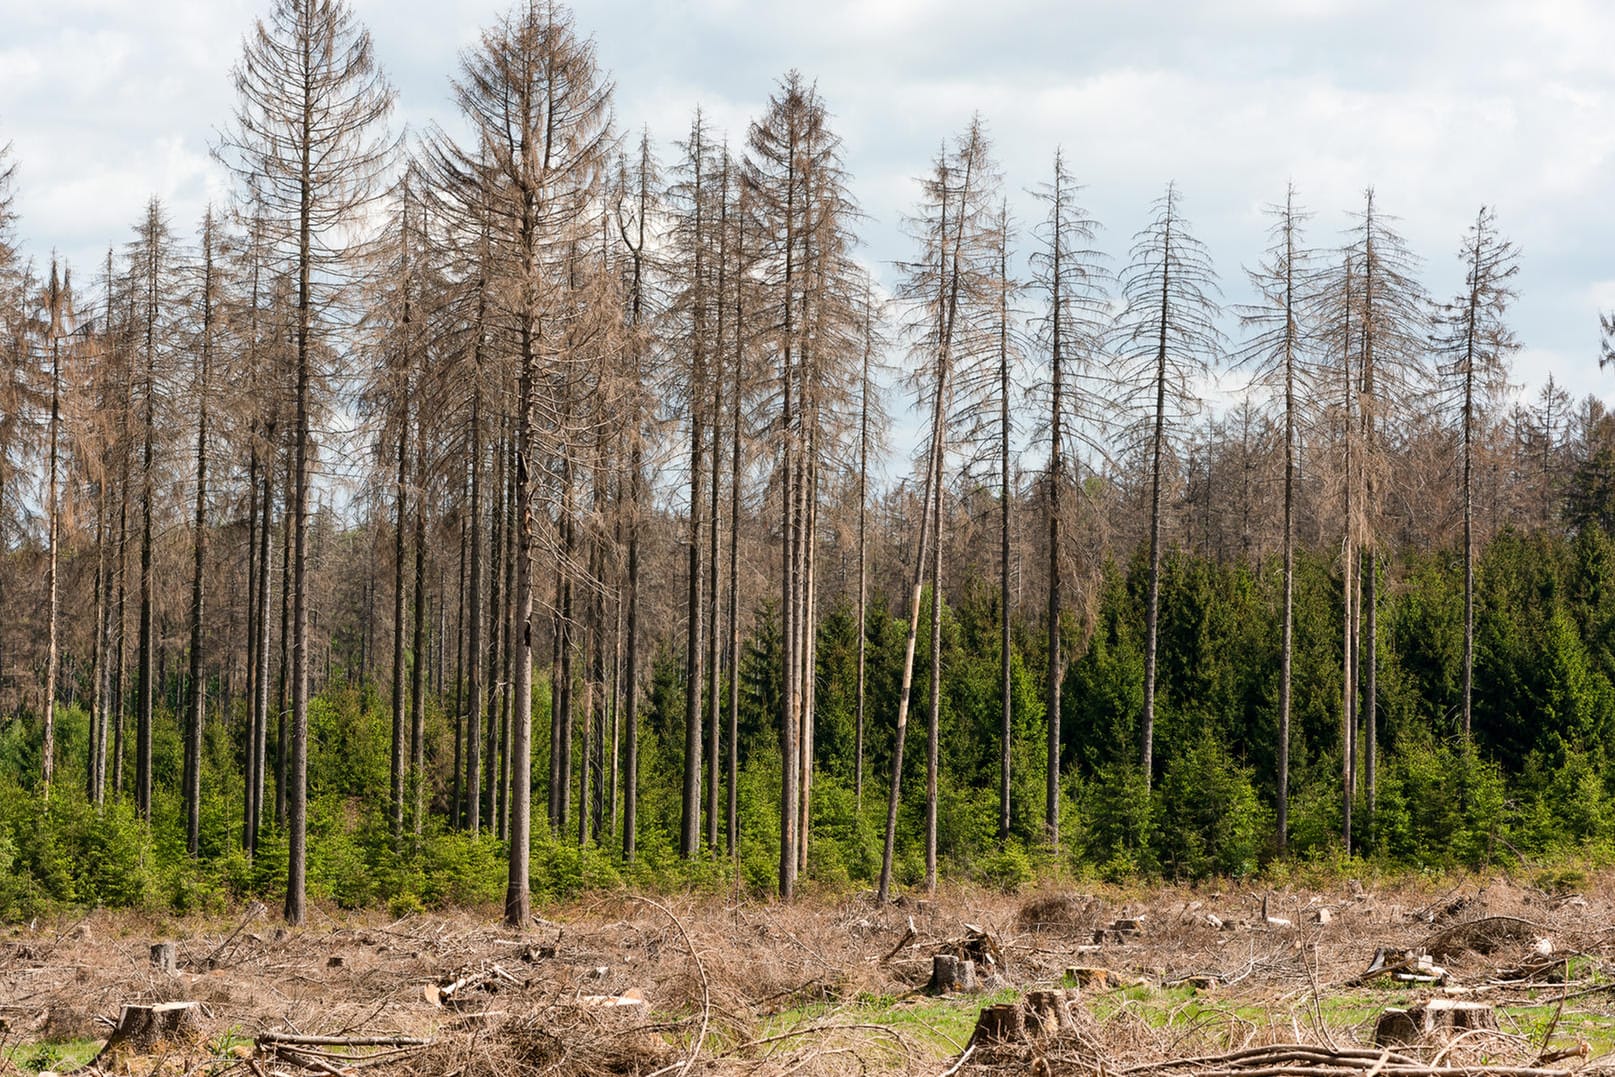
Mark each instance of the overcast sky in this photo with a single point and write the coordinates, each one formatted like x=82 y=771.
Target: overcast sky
x=1442 y=106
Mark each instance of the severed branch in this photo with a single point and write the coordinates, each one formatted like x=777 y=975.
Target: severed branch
x=290 y=1039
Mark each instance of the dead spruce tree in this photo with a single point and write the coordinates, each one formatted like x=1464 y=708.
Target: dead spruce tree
x=799 y=239
x=538 y=110
x=945 y=289
x=1077 y=395
x=1475 y=343
x=1278 y=358
x=1389 y=347
x=204 y=340
x=1167 y=341
x=309 y=142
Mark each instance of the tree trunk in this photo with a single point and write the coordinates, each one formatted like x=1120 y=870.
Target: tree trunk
x=198 y=684
x=1005 y=688
x=420 y=656
x=47 y=748
x=1157 y=452
x=473 y=723
x=401 y=511
x=496 y=625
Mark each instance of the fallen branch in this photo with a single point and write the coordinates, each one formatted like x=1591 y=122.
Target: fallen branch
x=706 y=988
x=291 y=1039
x=959 y=1064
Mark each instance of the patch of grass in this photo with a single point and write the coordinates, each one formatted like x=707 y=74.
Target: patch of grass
x=1533 y=1021
x=942 y=1024
x=51 y=1054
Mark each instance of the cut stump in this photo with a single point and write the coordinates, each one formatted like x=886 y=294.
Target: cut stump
x=1039 y=1015
x=950 y=974
x=141 y=1028
x=164 y=958
x=1003 y=1022
x=1432 y=1021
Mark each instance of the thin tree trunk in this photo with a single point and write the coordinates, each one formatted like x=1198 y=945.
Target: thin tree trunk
x=496 y=624
x=420 y=656
x=47 y=748
x=473 y=724
x=401 y=511
x=1287 y=644
x=860 y=689
x=933 y=724
x=198 y=684
x=1007 y=698
x=1157 y=452
x=260 y=703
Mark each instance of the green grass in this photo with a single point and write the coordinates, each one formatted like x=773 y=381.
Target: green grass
x=1184 y=1007
x=942 y=1024
x=52 y=1054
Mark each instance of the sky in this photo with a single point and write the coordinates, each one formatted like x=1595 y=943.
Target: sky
x=1440 y=106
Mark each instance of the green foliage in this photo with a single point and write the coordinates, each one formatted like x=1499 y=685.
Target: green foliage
x=1218 y=826
x=1536 y=780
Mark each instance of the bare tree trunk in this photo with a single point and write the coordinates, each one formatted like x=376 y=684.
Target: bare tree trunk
x=147 y=646
x=283 y=689
x=473 y=728
x=690 y=821
x=933 y=724
x=1157 y=452
x=1287 y=644
x=932 y=476
x=714 y=693
x=861 y=689
x=249 y=787
x=517 y=901
x=259 y=749
x=496 y=623
x=96 y=780
x=630 y=810
x=515 y=522
x=565 y=682
x=807 y=629
x=456 y=801
x=401 y=512
x=47 y=748
x=198 y=702
x=420 y=655
x=1007 y=700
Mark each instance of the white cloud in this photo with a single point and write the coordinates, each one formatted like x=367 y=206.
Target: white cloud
x=1441 y=105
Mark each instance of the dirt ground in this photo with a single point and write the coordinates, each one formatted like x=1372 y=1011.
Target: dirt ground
x=1241 y=981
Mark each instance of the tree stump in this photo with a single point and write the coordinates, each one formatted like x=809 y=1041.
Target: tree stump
x=142 y=1028
x=1432 y=1021
x=1004 y=1022
x=164 y=958
x=1048 y=1013
x=950 y=974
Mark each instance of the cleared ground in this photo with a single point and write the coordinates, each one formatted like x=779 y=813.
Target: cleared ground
x=1168 y=981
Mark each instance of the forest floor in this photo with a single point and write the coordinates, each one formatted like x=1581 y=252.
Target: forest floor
x=1162 y=982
